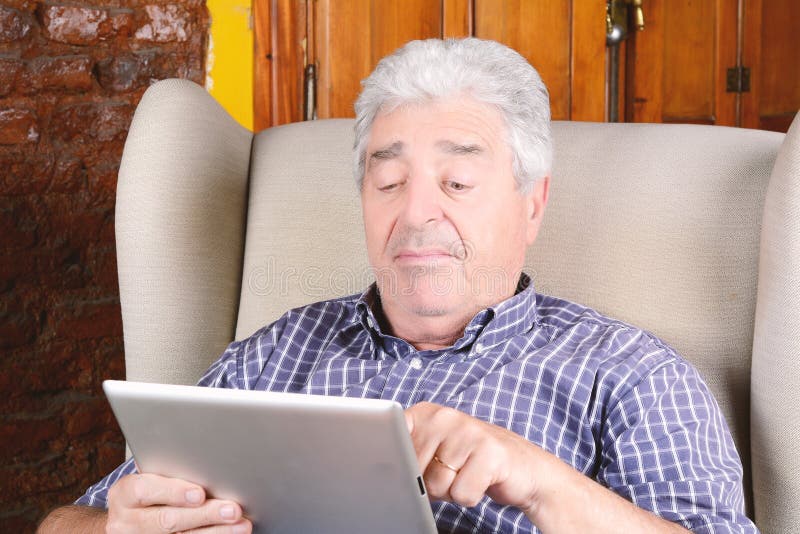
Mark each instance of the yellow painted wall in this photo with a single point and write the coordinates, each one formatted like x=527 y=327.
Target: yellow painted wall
x=229 y=65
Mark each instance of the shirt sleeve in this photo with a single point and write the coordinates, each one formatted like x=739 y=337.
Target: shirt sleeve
x=97 y=495
x=666 y=448
x=222 y=374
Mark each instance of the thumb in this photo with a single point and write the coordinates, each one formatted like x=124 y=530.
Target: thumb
x=409 y=420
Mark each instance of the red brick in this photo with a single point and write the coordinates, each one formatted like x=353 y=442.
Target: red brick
x=9 y=72
x=83 y=25
x=19 y=520
x=69 y=175
x=165 y=24
x=21 y=5
x=14 y=26
x=50 y=474
x=18 y=436
x=110 y=453
x=16 y=268
x=17 y=330
x=108 y=121
x=103 y=266
x=86 y=319
x=18 y=225
x=124 y=72
x=18 y=126
x=26 y=174
x=33 y=375
x=73 y=73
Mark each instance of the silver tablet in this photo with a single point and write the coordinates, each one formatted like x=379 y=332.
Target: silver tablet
x=296 y=463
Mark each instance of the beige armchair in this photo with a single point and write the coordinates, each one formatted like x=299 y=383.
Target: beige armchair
x=692 y=232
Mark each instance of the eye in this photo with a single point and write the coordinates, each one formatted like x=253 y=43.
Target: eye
x=456 y=186
x=389 y=188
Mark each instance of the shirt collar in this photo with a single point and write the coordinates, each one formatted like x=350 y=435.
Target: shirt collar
x=515 y=315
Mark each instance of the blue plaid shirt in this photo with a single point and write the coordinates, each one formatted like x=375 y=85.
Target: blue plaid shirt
x=611 y=400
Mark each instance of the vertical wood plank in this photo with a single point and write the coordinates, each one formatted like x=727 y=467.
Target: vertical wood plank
x=395 y=23
x=751 y=58
x=457 y=18
x=726 y=30
x=262 y=66
x=648 y=82
x=587 y=81
x=780 y=75
x=540 y=31
x=689 y=61
x=288 y=27
x=353 y=35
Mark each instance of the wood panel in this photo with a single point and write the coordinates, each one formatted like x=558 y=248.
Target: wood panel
x=352 y=36
x=457 y=18
x=645 y=70
x=680 y=62
x=587 y=61
x=779 y=80
x=727 y=104
x=689 y=61
x=262 y=66
x=541 y=32
x=280 y=33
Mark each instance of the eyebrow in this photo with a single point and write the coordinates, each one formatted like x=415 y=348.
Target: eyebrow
x=390 y=152
x=458 y=149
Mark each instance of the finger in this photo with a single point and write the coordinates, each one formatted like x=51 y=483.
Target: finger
x=143 y=490
x=409 y=420
x=471 y=483
x=437 y=481
x=175 y=519
x=417 y=413
x=242 y=526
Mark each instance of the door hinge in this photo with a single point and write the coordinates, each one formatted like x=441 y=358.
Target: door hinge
x=310 y=93
x=738 y=80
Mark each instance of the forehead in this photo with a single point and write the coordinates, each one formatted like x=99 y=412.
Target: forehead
x=456 y=119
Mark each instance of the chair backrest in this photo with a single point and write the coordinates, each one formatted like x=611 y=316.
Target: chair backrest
x=220 y=232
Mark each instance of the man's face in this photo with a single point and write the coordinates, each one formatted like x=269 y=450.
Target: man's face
x=446 y=226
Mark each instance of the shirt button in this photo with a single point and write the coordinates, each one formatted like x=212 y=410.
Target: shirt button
x=370 y=322
x=478 y=348
x=416 y=363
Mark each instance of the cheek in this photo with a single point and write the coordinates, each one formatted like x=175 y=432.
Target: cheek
x=376 y=228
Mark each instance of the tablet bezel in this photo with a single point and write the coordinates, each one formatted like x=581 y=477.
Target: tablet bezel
x=338 y=464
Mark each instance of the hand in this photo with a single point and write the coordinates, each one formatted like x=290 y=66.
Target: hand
x=152 y=503
x=482 y=459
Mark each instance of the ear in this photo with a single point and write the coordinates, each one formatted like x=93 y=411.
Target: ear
x=536 y=202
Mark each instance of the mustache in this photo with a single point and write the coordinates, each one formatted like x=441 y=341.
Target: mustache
x=410 y=239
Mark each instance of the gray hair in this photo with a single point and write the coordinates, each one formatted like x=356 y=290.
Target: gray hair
x=489 y=72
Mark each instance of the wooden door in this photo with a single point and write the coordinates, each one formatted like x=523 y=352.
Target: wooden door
x=770 y=49
x=344 y=39
x=678 y=67
x=563 y=39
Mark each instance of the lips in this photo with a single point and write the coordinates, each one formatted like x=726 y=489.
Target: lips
x=425 y=255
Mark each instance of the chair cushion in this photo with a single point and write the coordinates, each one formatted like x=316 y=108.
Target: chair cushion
x=775 y=410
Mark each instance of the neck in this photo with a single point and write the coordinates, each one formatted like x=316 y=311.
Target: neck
x=424 y=332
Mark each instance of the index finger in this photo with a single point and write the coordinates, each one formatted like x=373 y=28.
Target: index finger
x=146 y=489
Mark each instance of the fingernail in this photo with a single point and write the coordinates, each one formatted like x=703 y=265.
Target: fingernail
x=240 y=529
x=194 y=496
x=227 y=512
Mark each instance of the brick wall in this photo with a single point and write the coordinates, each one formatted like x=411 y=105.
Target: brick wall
x=71 y=73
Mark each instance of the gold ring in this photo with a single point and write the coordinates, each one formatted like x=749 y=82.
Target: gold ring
x=445 y=464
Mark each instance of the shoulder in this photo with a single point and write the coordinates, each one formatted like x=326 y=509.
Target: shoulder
x=619 y=351
x=299 y=333
x=327 y=315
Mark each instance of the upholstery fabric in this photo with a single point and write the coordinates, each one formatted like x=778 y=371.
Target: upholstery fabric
x=775 y=382
x=180 y=219
x=658 y=225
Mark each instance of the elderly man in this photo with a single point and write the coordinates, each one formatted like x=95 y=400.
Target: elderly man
x=528 y=413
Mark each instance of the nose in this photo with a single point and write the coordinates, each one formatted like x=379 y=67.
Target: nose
x=421 y=202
